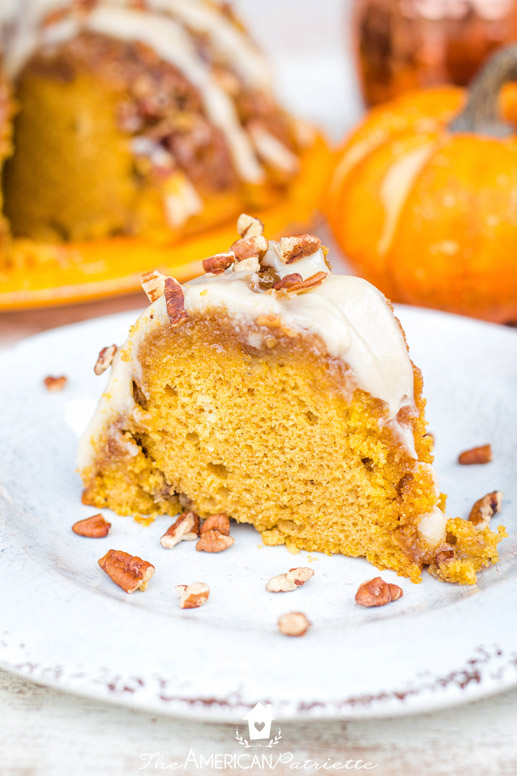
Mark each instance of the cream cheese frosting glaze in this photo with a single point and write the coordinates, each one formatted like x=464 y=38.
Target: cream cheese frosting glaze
x=351 y=317
x=34 y=24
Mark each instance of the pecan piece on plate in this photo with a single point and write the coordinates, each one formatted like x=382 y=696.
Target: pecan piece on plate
x=94 y=527
x=481 y=454
x=127 y=571
x=292 y=580
x=193 y=596
x=293 y=624
x=219 y=523
x=55 y=383
x=186 y=528
x=377 y=592
x=213 y=541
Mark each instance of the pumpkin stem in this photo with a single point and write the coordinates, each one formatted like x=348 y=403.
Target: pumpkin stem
x=481 y=112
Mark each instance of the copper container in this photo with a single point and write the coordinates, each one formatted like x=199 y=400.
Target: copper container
x=404 y=44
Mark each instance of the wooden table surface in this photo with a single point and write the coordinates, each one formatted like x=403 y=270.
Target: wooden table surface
x=44 y=732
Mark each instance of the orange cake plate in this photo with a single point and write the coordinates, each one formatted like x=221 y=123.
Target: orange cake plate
x=80 y=272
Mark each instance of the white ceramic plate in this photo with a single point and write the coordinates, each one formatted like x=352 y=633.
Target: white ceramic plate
x=64 y=623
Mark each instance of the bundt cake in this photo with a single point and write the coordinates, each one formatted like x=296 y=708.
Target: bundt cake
x=146 y=118
x=282 y=395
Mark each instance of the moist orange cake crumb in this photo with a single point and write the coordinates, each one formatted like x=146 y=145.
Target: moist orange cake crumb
x=283 y=395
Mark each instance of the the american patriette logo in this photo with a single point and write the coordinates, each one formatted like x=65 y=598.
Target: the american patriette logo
x=259 y=721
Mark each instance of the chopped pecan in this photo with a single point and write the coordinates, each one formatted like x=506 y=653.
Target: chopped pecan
x=482 y=454
x=175 y=301
x=377 y=592
x=288 y=280
x=291 y=249
x=247 y=265
x=218 y=263
x=105 y=359
x=444 y=556
x=304 y=285
x=248 y=226
x=395 y=591
x=219 y=523
x=185 y=501
x=285 y=583
x=186 y=528
x=94 y=527
x=153 y=284
x=267 y=278
x=485 y=508
x=253 y=246
x=193 y=596
x=127 y=571
x=300 y=575
x=55 y=383
x=213 y=541
x=293 y=624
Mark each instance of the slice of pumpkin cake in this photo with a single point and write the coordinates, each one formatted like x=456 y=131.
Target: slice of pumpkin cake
x=283 y=395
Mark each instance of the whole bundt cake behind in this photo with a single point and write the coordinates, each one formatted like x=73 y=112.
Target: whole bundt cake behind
x=152 y=119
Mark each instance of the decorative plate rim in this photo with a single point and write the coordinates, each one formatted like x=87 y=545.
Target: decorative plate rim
x=483 y=669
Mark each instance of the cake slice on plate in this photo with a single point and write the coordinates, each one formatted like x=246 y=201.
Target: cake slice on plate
x=283 y=395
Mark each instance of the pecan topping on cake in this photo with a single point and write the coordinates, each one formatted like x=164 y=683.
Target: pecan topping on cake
x=267 y=278
x=485 y=508
x=94 y=527
x=377 y=592
x=186 y=528
x=298 y=286
x=252 y=246
x=247 y=265
x=291 y=249
x=105 y=359
x=193 y=596
x=285 y=583
x=218 y=263
x=288 y=280
x=175 y=301
x=293 y=624
x=482 y=454
x=55 y=383
x=127 y=571
x=153 y=284
x=247 y=226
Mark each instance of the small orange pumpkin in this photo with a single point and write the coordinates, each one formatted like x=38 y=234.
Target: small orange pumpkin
x=423 y=200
